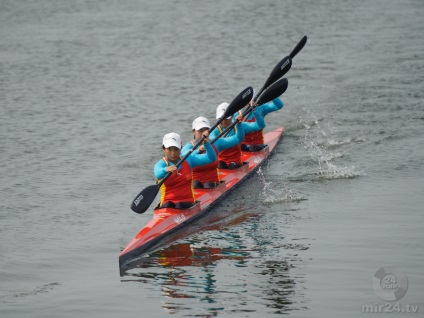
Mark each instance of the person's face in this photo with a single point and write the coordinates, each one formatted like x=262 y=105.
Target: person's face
x=198 y=133
x=172 y=153
x=226 y=122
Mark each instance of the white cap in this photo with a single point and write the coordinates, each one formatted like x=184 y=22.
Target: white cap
x=172 y=140
x=221 y=110
x=200 y=122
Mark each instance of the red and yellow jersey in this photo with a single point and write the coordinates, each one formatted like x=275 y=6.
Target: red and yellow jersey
x=255 y=137
x=178 y=187
x=232 y=154
x=207 y=172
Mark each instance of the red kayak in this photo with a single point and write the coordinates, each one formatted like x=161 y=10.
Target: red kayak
x=167 y=221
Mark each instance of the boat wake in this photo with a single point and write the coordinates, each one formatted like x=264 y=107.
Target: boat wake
x=320 y=144
x=332 y=143
x=334 y=172
x=301 y=125
x=285 y=198
x=320 y=158
x=326 y=169
x=330 y=156
x=273 y=195
x=330 y=172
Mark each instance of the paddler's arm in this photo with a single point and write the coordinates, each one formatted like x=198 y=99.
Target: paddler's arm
x=260 y=120
x=200 y=159
x=213 y=134
x=187 y=147
x=272 y=106
x=160 y=169
x=231 y=141
x=256 y=125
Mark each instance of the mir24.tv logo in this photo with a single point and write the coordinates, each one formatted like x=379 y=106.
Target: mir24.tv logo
x=390 y=284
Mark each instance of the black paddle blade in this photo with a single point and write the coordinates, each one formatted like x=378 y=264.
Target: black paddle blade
x=144 y=199
x=239 y=102
x=279 y=70
x=298 y=47
x=274 y=91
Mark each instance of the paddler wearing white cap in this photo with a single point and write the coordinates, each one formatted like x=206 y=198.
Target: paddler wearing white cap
x=177 y=191
x=231 y=158
x=206 y=176
x=254 y=141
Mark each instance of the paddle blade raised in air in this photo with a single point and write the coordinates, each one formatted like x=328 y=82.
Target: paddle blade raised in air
x=274 y=91
x=239 y=102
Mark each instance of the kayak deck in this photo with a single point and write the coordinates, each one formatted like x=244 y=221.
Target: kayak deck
x=166 y=221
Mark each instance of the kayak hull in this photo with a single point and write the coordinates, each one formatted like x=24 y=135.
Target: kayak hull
x=158 y=231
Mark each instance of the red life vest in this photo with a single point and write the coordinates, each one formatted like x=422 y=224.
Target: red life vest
x=178 y=187
x=208 y=172
x=255 y=137
x=232 y=154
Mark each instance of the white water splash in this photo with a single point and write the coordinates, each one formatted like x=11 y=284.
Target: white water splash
x=285 y=197
x=318 y=142
x=330 y=156
x=274 y=195
x=334 y=172
x=332 y=143
x=337 y=143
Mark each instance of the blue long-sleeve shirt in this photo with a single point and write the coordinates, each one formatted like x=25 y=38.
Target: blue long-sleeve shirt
x=267 y=108
x=247 y=127
x=194 y=160
x=221 y=143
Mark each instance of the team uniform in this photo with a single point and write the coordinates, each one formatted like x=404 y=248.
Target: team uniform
x=231 y=157
x=255 y=140
x=207 y=175
x=177 y=190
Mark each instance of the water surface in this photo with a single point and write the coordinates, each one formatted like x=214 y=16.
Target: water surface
x=90 y=87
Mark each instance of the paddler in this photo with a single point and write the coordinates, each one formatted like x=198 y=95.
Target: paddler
x=206 y=176
x=177 y=191
x=231 y=158
x=254 y=141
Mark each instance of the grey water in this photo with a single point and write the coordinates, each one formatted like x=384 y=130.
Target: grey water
x=88 y=89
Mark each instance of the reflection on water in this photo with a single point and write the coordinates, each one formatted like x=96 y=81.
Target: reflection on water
x=280 y=285
x=235 y=260
x=186 y=254
x=205 y=281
